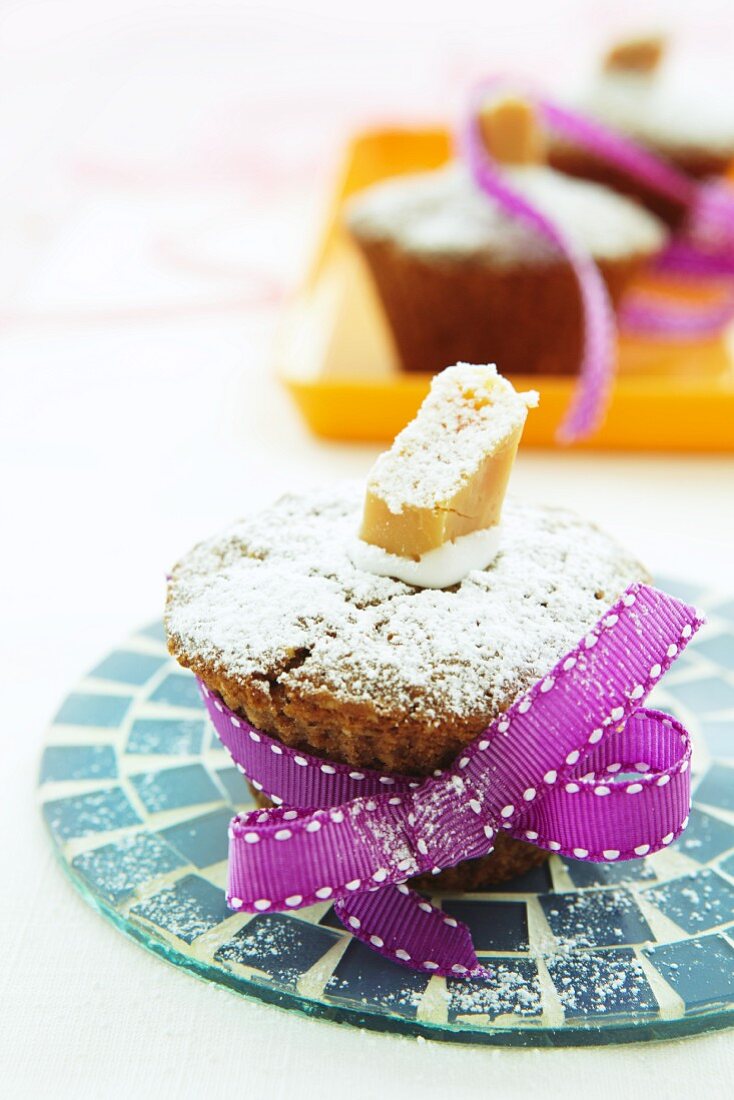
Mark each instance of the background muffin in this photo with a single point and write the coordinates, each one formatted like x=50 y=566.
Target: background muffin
x=676 y=111
x=459 y=279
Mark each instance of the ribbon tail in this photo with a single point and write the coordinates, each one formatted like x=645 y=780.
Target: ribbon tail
x=402 y=926
x=597 y=817
x=596 y=372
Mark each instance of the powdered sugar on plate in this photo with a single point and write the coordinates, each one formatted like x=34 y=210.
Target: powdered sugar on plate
x=277 y=597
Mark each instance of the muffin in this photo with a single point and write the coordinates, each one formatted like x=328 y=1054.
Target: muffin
x=275 y=617
x=673 y=111
x=461 y=279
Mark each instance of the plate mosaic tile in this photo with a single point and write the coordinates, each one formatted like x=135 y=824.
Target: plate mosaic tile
x=137 y=794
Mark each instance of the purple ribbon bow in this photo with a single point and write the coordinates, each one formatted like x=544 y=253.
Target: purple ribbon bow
x=547 y=771
x=704 y=248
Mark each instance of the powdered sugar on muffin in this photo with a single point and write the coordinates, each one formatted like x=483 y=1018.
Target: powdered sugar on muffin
x=444 y=213
x=276 y=603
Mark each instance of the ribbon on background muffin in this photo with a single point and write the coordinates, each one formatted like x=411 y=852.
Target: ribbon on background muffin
x=703 y=250
x=553 y=770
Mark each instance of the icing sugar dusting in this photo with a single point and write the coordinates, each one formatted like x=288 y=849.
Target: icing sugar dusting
x=510 y=990
x=469 y=412
x=277 y=597
x=443 y=212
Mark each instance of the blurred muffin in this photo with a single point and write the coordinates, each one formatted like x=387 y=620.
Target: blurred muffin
x=678 y=113
x=460 y=279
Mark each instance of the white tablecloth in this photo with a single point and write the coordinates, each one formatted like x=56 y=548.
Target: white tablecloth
x=163 y=177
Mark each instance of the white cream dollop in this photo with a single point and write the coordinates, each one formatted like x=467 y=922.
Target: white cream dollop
x=439 y=568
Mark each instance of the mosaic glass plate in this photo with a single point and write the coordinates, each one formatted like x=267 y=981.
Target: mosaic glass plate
x=137 y=793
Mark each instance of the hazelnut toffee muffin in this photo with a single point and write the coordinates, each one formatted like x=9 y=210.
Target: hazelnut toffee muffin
x=291 y=617
x=459 y=278
x=674 y=110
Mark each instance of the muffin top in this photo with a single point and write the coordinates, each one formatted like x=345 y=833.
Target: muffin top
x=275 y=602
x=444 y=213
x=678 y=108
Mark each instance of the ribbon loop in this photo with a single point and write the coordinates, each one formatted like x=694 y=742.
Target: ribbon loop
x=579 y=703
x=629 y=797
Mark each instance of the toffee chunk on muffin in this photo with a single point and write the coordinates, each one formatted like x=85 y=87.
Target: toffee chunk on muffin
x=275 y=617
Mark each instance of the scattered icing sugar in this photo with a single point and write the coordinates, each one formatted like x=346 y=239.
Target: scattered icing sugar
x=269 y=944
x=117 y=869
x=277 y=598
x=510 y=990
x=178 y=911
x=698 y=899
x=600 y=982
x=401 y=998
x=444 y=213
x=582 y=918
x=470 y=411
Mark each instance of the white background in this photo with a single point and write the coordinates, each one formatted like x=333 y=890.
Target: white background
x=163 y=172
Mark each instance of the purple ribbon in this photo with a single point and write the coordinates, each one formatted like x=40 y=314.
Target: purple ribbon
x=546 y=771
x=704 y=249
x=596 y=370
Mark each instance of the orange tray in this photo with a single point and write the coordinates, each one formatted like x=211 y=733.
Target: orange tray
x=335 y=353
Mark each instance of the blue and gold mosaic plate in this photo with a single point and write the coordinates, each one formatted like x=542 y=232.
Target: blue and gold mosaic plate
x=137 y=794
